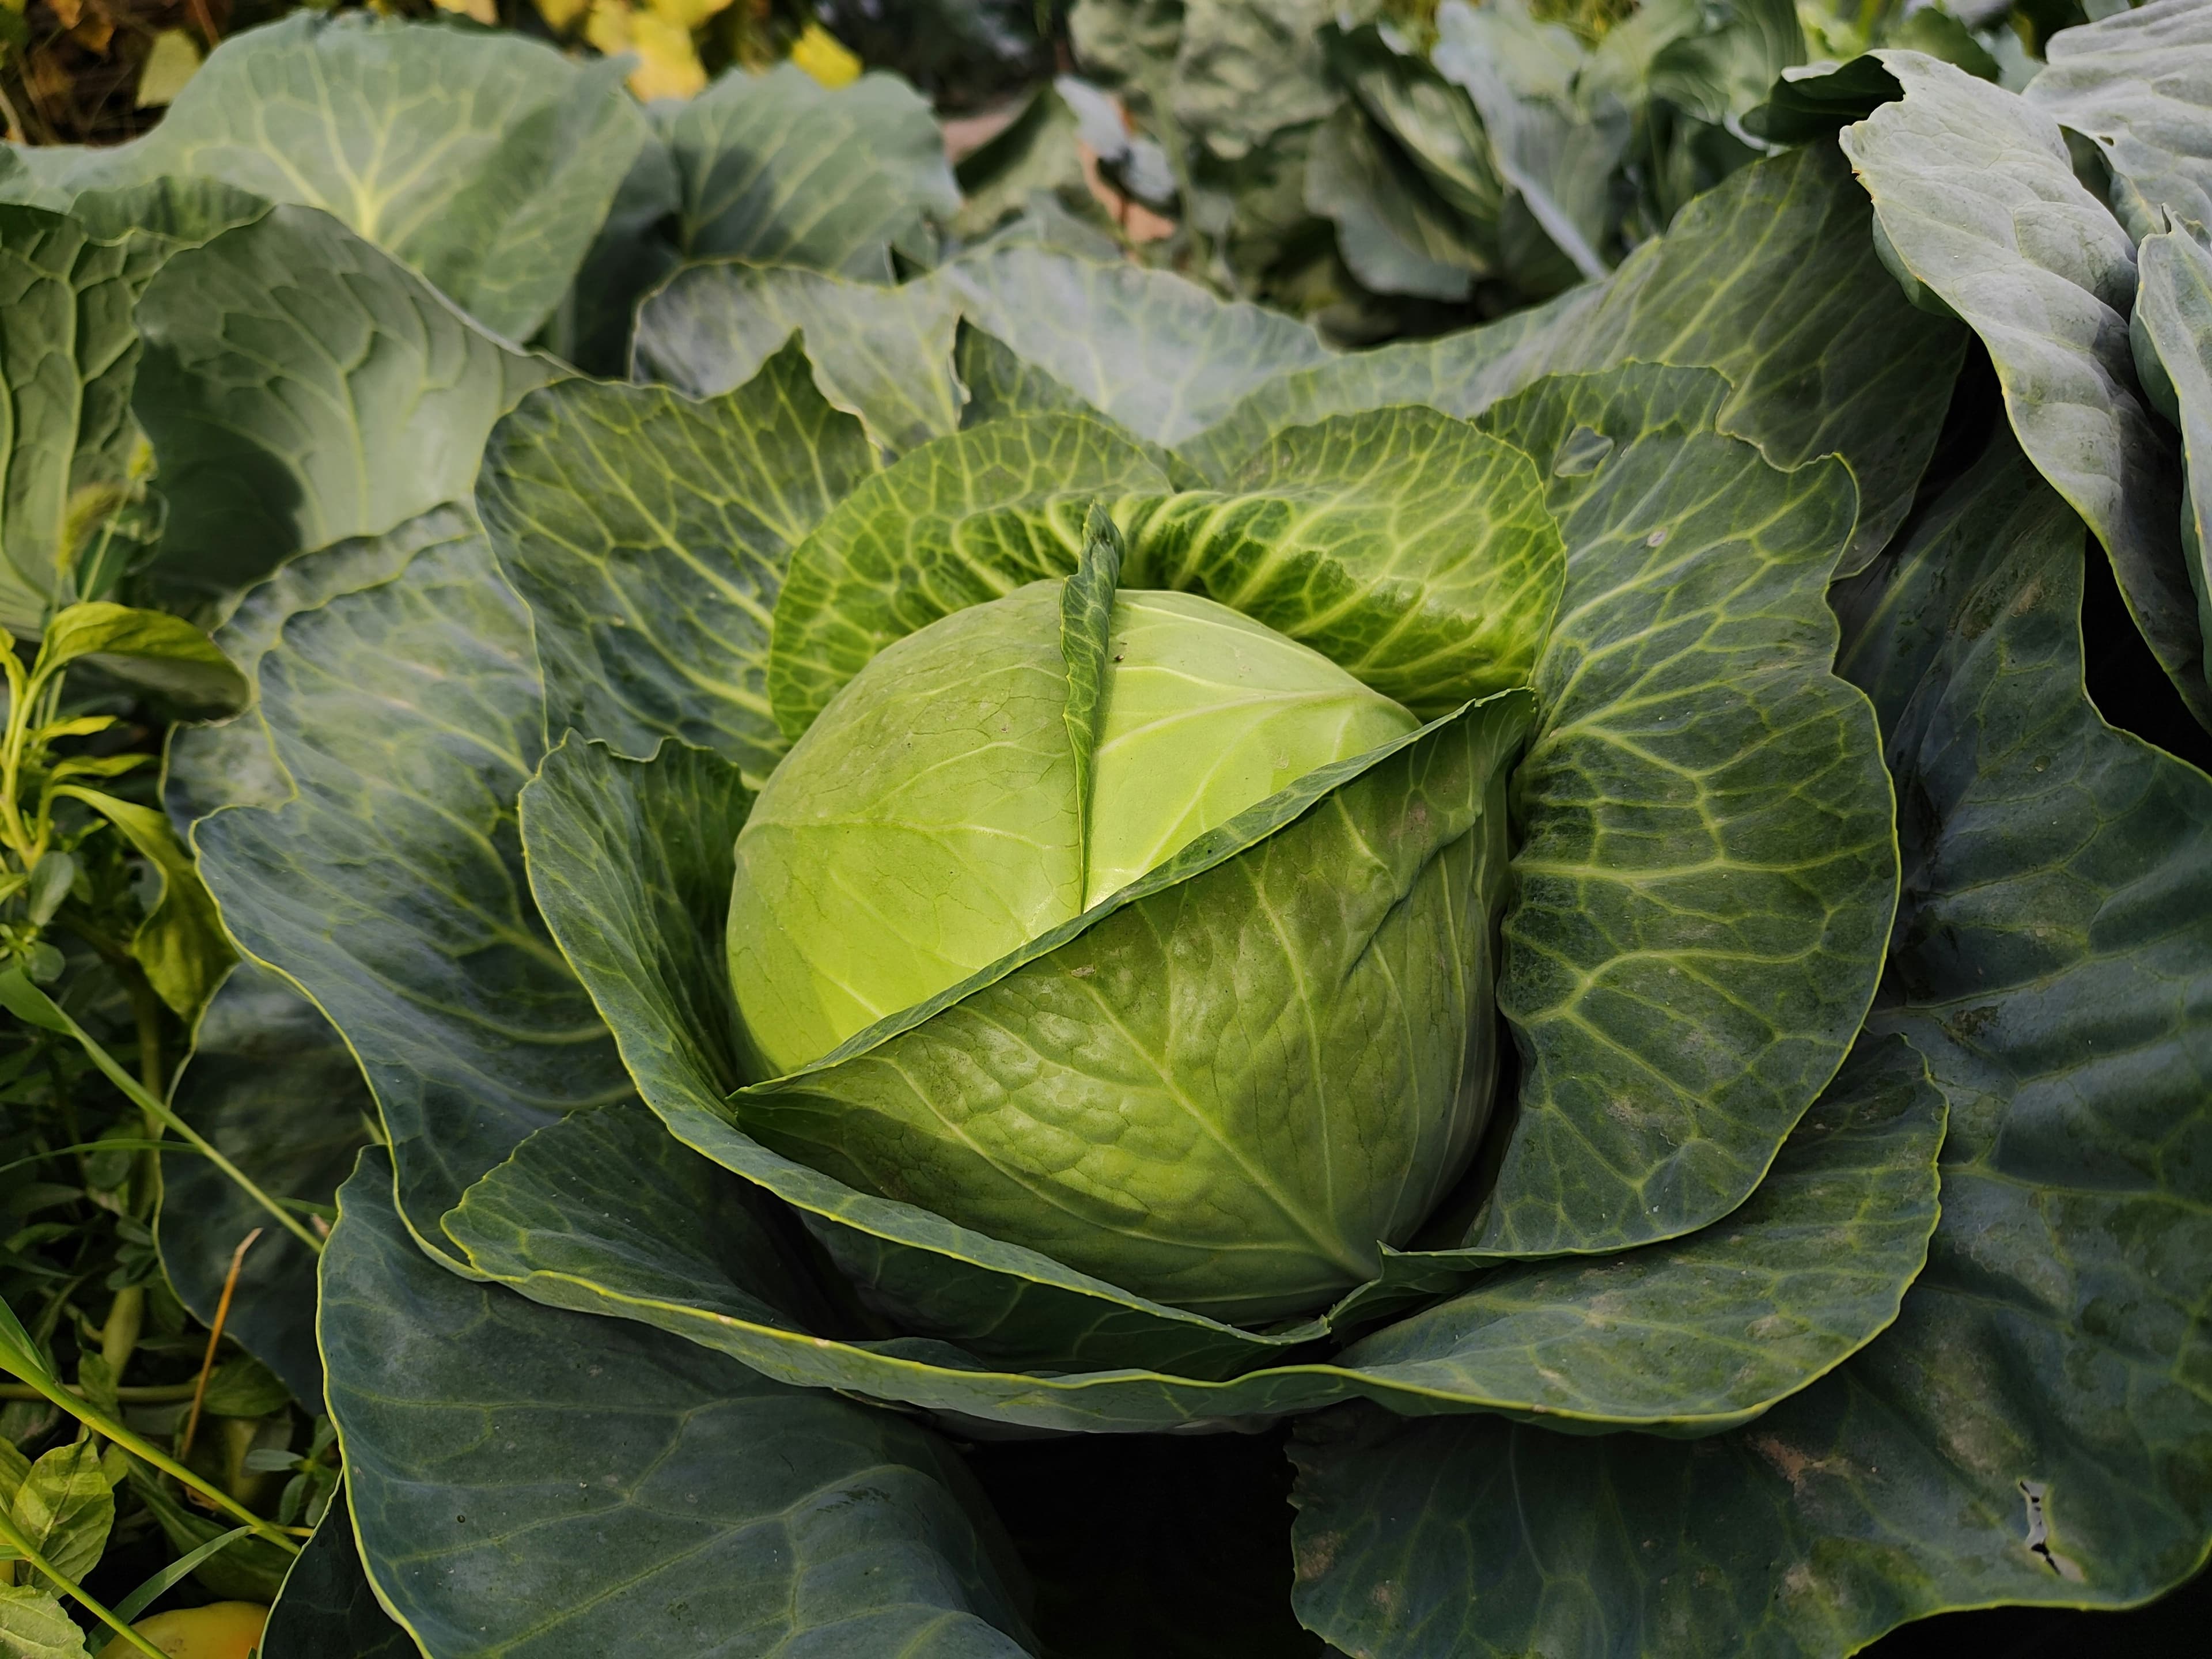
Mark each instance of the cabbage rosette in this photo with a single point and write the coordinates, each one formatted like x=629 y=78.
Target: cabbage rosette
x=1030 y=852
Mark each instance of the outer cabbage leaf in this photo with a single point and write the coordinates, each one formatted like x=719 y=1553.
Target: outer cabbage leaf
x=2139 y=83
x=1707 y=868
x=605 y=1213
x=301 y=387
x=883 y=354
x=1769 y=278
x=67 y=356
x=486 y=161
x=274 y=1087
x=2032 y=1429
x=528 y=1482
x=390 y=888
x=779 y=169
x=234 y=762
x=327 y=1609
x=1160 y=356
x=1978 y=203
x=649 y=536
x=2172 y=335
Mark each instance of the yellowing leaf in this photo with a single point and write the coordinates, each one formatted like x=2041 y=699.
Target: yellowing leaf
x=825 y=58
x=481 y=11
x=560 y=14
x=172 y=60
x=668 y=67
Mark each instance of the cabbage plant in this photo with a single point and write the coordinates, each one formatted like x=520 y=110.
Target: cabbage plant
x=976 y=903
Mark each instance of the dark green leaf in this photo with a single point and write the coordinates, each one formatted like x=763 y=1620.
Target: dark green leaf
x=244 y=1387
x=649 y=536
x=607 y=1479
x=301 y=387
x=1977 y=202
x=1705 y=1331
x=1812 y=101
x=1708 y=864
x=271 y=1084
x=777 y=169
x=2033 y=1428
x=391 y=889
x=2172 y=335
x=250 y=1569
x=234 y=763
x=327 y=1609
x=2139 y=83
